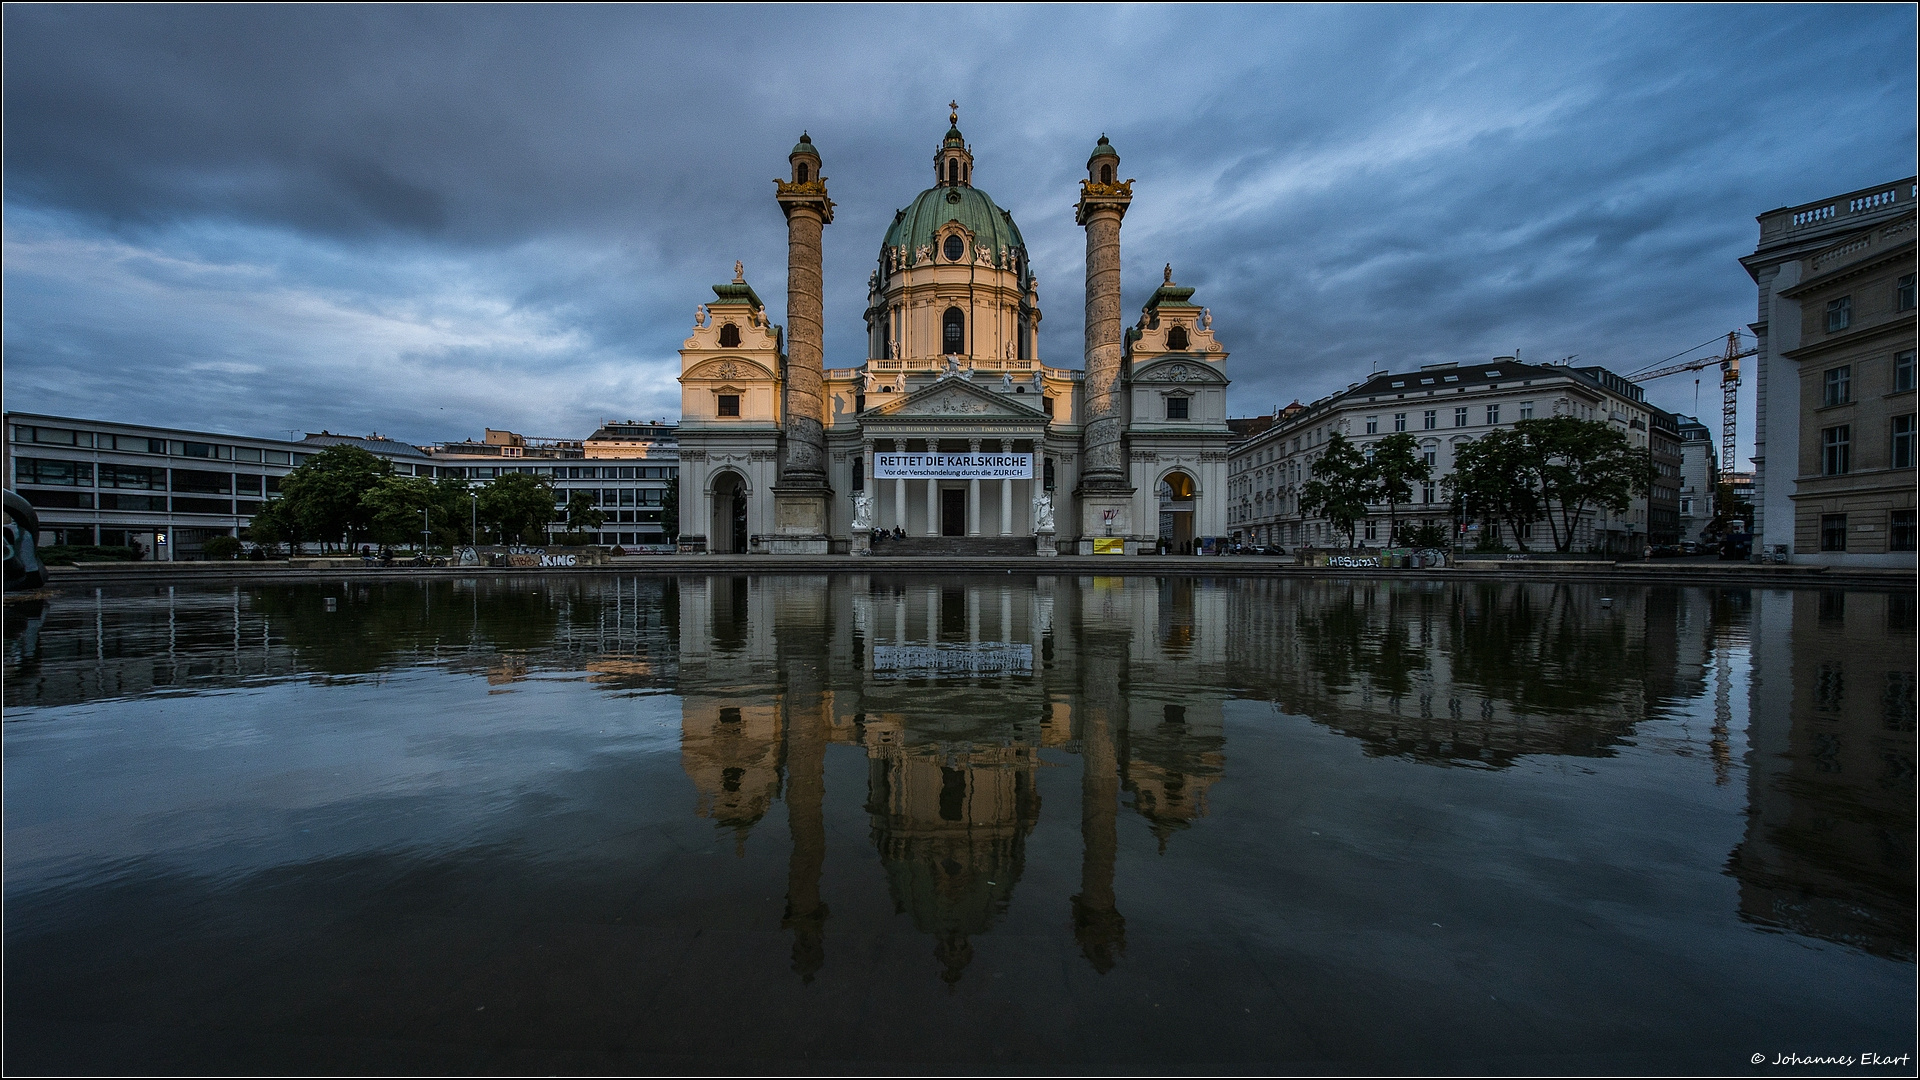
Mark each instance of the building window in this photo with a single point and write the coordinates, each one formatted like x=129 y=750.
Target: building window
x=1900 y=530
x=729 y=404
x=1836 y=450
x=1399 y=421
x=1838 y=386
x=1526 y=410
x=1428 y=458
x=1106 y=174
x=1177 y=338
x=956 y=247
x=1903 y=294
x=1429 y=492
x=50 y=472
x=1903 y=442
x=859 y=473
x=1833 y=532
x=729 y=336
x=1047 y=474
x=801 y=175
x=1460 y=416
x=1046 y=405
x=1177 y=408
x=1839 y=314
x=953 y=325
x=1373 y=530
x=859 y=403
x=1373 y=425
x=1903 y=371
x=1493 y=414
x=1430 y=419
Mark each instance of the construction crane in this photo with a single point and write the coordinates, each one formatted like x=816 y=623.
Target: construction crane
x=1729 y=362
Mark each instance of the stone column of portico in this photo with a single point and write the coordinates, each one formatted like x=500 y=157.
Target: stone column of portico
x=1104 y=486
x=973 y=495
x=801 y=497
x=1006 y=495
x=933 y=499
x=900 y=492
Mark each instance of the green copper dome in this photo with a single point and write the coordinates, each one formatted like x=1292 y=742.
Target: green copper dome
x=920 y=223
x=1101 y=149
x=804 y=146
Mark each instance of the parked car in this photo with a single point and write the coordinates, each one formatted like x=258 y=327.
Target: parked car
x=1270 y=549
x=1690 y=547
x=1737 y=545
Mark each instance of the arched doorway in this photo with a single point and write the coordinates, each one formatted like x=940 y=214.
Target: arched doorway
x=1176 y=513
x=729 y=527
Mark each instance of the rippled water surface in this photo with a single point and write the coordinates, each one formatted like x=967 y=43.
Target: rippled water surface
x=909 y=824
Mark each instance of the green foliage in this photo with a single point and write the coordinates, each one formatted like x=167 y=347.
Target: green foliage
x=1584 y=464
x=273 y=525
x=1393 y=470
x=1426 y=535
x=1340 y=486
x=221 y=548
x=584 y=513
x=324 y=495
x=68 y=554
x=517 y=507
x=1496 y=479
x=394 y=507
x=670 y=513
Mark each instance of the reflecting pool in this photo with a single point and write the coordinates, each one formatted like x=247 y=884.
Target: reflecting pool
x=870 y=823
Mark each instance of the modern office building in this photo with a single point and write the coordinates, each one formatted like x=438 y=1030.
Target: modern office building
x=170 y=490
x=164 y=489
x=1791 y=239
x=626 y=468
x=1444 y=406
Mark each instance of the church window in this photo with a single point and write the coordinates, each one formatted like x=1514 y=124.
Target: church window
x=1047 y=407
x=729 y=336
x=859 y=403
x=953 y=170
x=802 y=174
x=859 y=473
x=729 y=404
x=1025 y=349
x=953 y=326
x=1176 y=408
x=1177 y=338
x=1047 y=473
x=956 y=247
x=1106 y=174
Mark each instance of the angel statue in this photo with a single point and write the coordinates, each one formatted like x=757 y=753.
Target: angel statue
x=1006 y=382
x=739 y=272
x=1043 y=513
x=862 y=511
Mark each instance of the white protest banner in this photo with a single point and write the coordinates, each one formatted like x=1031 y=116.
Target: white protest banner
x=953 y=466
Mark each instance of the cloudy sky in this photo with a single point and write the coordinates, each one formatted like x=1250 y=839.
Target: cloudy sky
x=422 y=221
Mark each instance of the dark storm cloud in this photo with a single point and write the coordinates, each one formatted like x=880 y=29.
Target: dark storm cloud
x=424 y=220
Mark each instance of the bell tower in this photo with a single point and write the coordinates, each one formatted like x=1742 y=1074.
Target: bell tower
x=801 y=496
x=1106 y=496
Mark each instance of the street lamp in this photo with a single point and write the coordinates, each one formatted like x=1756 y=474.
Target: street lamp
x=474 y=529
x=426 y=530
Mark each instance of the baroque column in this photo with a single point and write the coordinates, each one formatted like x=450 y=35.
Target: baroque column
x=801 y=497
x=1105 y=495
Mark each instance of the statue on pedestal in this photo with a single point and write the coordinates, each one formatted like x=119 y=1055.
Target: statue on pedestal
x=862 y=511
x=1043 y=513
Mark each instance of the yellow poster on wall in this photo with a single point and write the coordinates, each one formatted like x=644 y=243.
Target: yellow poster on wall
x=1109 y=545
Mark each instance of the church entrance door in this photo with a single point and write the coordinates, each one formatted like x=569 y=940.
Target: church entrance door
x=953 y=512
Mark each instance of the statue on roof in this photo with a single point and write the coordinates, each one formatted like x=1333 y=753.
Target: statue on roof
x=739 y=272
x=1166 y=276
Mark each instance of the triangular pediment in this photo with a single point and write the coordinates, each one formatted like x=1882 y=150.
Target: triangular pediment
x=957 y=397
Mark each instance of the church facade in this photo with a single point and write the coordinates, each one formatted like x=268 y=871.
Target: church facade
x=952 y=436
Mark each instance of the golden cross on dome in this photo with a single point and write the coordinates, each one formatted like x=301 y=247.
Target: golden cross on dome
x=953 y=117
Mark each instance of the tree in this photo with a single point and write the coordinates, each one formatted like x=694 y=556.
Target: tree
x=324 y=494
x=1495 y=479
x=394 y=507
x=1338 y=490
x=670 y=513
x=453 y=510
x=1394 y=469
x=1584 y=464
x=584 y=513
x=518 y=507
x=275 y=524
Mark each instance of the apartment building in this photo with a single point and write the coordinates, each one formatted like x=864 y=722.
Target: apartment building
x=1444 y=406
x=626 y=468
x=1699 y=478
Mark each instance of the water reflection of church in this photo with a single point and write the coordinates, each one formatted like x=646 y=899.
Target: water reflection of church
x=953 y=692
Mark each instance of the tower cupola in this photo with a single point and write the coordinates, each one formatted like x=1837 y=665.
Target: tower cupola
x=1103 y=165
x=953 y=164
x=806 y=161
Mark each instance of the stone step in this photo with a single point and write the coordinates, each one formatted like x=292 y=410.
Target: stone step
x=955 y=546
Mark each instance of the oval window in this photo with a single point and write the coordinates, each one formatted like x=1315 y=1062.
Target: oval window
x=956 y=247
x=729 y=336
x=1177 y=338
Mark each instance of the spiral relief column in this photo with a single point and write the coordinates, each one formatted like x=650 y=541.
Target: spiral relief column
x=801 y=499
x=1105 y=495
